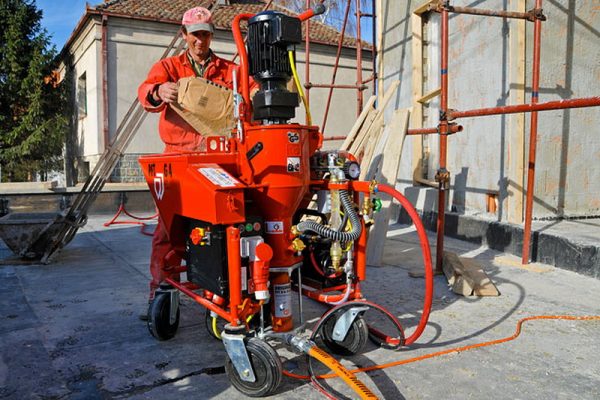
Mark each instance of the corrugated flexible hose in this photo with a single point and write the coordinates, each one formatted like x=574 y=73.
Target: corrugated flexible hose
x=355 y=384
x=324 y=231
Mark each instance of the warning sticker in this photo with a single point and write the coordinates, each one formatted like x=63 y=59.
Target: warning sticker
x=283 y=300
x=293 y=164
x=219 y=177
x=274 y=227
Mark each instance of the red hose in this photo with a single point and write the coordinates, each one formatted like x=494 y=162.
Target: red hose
x=424 y=241
x=241 y=48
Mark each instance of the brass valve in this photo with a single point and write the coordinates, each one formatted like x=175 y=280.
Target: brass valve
x=294 y=231
x=297 y=245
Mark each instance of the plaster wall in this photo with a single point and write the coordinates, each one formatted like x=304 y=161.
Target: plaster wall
x=134 y=46
x=86 y=55
x=482 y=73
x=568 y=167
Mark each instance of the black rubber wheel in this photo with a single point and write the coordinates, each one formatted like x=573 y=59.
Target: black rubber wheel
x=267 y=370
x=355 y=339
x=159 y=324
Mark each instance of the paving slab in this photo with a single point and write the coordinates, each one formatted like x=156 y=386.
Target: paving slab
x=69 y=330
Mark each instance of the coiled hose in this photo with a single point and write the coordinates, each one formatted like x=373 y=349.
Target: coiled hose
x=324 y=231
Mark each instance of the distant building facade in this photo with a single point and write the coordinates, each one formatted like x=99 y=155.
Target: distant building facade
x=114 y=45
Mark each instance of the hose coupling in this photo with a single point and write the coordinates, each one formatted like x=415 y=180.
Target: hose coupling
x=300 y=343
x=297 y=245
x=367 y=206
x=372 y=186
x=294 y=231
x=336 y=255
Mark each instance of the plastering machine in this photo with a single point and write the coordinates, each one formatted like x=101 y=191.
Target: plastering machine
x=238 y=213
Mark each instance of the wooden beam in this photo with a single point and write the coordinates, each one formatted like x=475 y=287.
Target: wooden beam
x=367 y=131
x=372 y=139
x=417 y=93
x=368 y=108
x=387 y=173
x=423 y=8
x=466 y=277
x=513 y=203
x=426 y=97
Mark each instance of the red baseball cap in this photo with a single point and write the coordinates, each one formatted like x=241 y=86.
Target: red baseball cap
x=197 y=19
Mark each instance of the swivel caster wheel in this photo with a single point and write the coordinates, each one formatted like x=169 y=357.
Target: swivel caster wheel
x=266 y=366
x=161 y=323
x=355 y=340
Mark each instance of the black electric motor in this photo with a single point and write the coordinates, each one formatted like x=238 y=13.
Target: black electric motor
x=270 y=35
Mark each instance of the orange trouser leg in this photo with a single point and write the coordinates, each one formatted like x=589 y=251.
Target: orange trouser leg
x=162 y=258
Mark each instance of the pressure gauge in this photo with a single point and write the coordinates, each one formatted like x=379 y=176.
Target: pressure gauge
x=352 y=169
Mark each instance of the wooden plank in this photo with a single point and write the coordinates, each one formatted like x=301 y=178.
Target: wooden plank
x=483 y=284
x=390 y=162
x=417 y=92
x=424 y=7
x=368 y=109
x=372 y=140
x=365 y=131
x=513 y=203
x=426 y=97
x=380 y=45
x=466 y=277
x=362 y=136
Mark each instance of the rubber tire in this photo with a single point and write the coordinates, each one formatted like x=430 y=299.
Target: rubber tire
x=158 y=317
x=353 y=343
x=267 y=370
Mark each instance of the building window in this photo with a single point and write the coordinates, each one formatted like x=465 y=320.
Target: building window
x=82 y=95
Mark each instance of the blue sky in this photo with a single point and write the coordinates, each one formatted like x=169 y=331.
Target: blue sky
x=61 y=17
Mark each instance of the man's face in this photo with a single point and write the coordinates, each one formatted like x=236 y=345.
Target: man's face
x=199 y=43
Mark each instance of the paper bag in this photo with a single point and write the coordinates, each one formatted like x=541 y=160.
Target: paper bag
x=206 y=106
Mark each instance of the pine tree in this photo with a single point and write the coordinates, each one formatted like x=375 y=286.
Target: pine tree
x=33 y=121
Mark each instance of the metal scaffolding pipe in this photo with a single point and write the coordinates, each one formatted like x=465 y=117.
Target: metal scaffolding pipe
x=335 y=68
x=535 y=94
x=442 y=174
x=359 y=79
x=529 y=16
x=307 y=60
x=532 y=107
x=452 y=128
x=331 y=86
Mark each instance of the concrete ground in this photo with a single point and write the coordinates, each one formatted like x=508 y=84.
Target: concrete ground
x=70 y=330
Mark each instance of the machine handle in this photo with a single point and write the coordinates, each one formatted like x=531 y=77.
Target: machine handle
x=318 y=9
x=241 y=48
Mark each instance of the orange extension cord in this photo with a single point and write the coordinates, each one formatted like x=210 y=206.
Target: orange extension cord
x=455 y=349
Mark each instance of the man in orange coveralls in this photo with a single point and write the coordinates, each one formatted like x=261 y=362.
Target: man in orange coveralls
x=159 y=90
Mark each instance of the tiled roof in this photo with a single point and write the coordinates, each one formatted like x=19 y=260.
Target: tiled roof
x=172 y=10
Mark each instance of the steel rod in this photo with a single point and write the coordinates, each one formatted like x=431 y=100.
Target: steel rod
x=429 y=131
x=369 y=79
x=492 y=13
x=307 y=61
x=535 y=93
x=374 y=48
x=335 y=68
x=442 y=173
x=532 y=107
x=359 y=79
x=330 y=86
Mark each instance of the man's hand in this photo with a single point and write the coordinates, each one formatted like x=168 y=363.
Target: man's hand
x=168 y=92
